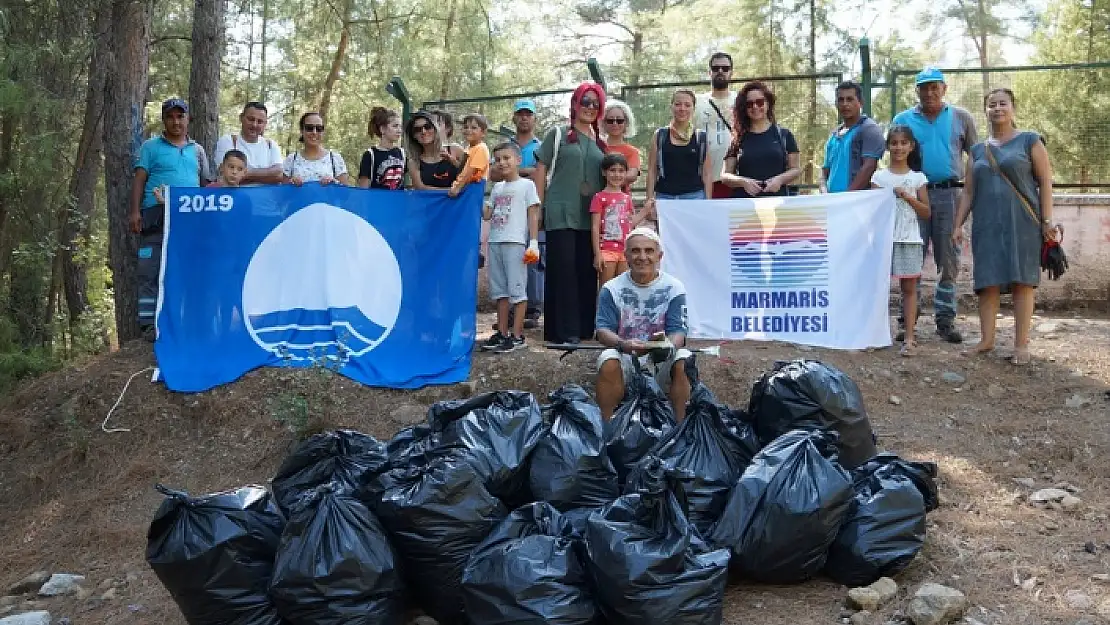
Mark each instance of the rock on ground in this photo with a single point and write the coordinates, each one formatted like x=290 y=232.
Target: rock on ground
x=27 y=618
x=1078 y=600
x=934 y=604
x=871 y=598
x=31 y=583
x=1046 y=495
x=61 y=584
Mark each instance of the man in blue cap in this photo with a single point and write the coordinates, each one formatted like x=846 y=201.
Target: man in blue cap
x=944 y=133
x=170 y=159
x=524 y=119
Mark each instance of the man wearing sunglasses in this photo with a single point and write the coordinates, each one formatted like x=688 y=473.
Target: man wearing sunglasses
x=712 y=115
x=263 y=155
x=945 y=133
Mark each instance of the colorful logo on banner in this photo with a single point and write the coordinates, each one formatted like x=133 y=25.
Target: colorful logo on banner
x=781 y=248
x=780 y=260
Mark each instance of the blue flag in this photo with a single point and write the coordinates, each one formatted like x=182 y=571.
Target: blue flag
x=377 y=285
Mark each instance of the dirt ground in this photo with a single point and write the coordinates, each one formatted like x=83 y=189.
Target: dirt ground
x=77 y=499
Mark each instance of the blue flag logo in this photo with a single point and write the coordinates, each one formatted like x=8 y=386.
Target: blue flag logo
x=378 y=285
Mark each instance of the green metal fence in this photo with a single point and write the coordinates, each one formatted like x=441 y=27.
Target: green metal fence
x=804 y=104
x=1068 y=104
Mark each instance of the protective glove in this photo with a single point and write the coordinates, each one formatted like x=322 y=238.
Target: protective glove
x=532 y=254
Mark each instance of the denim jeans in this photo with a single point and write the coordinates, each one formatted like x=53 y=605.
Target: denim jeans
x=692 y=195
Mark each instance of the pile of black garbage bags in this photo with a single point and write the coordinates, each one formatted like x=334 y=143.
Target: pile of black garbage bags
x=500 y=510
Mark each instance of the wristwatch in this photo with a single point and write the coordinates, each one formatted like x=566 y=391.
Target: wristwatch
x=620 y=346
x=1047 y=222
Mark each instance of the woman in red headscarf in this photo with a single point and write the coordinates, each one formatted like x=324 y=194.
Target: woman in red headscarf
x=568 y=174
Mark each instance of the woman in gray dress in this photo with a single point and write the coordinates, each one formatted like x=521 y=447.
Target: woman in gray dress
x=1008 y=185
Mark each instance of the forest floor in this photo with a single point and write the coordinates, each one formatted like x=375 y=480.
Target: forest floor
x=77 y=499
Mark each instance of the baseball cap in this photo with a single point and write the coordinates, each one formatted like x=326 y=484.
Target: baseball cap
x=524 y=104
x=929 y=74
x=175 y=103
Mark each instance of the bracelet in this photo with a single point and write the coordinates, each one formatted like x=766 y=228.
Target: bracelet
x=620 y=346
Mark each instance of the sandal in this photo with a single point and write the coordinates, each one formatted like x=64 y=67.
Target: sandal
x=909 y=348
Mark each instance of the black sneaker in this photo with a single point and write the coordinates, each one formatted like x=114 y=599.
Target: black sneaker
x=949 y=333
x=493 y=342
x=518 y=342
x=508 y=344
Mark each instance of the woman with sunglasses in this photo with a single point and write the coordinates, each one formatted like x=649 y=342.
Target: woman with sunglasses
x=678 y=158
x=314 y=162
x=763 y=159
x=620 y=125
x=568 y=174
x=429 y=167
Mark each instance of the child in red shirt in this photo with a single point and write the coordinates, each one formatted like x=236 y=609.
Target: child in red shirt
x=612 y=219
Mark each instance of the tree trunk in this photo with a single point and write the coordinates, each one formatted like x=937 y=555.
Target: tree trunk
x=637 y=58
x=984 y=52
x=811 y=114
x=262 y=59
x=204 y=77
x=337 y=62
x=123 y=133
x=82 y=186
x=7 y=132
x=445 y=81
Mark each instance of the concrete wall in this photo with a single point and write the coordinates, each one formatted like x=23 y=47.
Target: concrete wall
x=1086 y=222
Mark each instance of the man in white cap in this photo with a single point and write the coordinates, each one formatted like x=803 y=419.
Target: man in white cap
x=639 y=306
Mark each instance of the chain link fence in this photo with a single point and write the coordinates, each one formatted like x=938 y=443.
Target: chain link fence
x=1068 y=104
x=804 y=104
x=552 y=107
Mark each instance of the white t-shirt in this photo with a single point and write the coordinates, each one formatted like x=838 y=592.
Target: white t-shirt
x=510 y=202
x=905 y=220
x=330 y=164
x=718 y=134
x=260 y=154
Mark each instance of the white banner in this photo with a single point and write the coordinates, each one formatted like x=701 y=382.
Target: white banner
x=811 y=269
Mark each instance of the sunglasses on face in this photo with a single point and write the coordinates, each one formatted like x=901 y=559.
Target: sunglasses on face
x=615 y=120
x=720 y=68
x=589 y=104
x=419 y=128
x=757 y=103
x=314 y=128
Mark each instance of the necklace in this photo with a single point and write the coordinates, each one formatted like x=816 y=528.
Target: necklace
x=682 y=136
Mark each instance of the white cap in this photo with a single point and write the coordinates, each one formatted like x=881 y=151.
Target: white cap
x=644 y=231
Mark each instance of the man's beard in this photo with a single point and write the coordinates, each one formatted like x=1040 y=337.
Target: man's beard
x=720 y=82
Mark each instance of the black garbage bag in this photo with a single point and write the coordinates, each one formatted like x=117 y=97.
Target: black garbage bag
x=714 y=449
x=335 y=565
x=215 y=554
x=499 y=430
x=786 y=509
x=346 y=457
x=570 y=467
x=809 y=394
x=528 y=571
x=437 y=511
x=648 y=563
x=886 y=526
x=638 y=424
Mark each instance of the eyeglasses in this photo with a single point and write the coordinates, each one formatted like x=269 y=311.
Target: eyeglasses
x=419 y=128
x=615 y=120
x=720 y=68
x=313 y=128
x=589 y=104
x=757 y=103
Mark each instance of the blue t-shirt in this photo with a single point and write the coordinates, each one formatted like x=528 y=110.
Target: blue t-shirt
x=844 y=153
x=942 y=140
x=637 y=312
x=168 y=164
x=528 y=152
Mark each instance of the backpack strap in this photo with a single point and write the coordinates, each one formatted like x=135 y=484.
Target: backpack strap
x=331 y=153
x=234 y=142
x=370 y=152
x=659 y=152
x=555 y=153
x=703 y=145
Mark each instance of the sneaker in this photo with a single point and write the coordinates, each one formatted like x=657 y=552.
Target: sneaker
x=508 y=344
x=493 y=342
x=518 y=342
x=949 y=333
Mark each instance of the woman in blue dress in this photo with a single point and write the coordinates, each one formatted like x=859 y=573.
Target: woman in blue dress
x=1008 y=187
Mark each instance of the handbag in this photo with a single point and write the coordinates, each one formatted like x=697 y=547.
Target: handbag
x=1053 y=258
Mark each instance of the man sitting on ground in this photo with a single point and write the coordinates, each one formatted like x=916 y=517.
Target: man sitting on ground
x=638 y=306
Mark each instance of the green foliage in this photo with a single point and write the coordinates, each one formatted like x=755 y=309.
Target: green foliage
x=20 y=365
